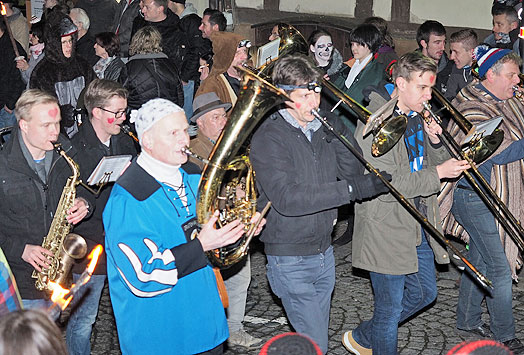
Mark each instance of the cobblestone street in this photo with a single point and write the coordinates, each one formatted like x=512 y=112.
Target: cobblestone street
x=432 y=332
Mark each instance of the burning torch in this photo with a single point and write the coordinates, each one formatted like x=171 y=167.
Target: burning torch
x=61 y=297
x=3 y=11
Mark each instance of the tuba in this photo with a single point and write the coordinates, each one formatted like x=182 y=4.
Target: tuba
x=65 y=246
x=228 y=180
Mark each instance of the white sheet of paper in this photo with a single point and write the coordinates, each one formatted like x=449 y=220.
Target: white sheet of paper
x=268 y=52
x=485 y=128
x=109 y=169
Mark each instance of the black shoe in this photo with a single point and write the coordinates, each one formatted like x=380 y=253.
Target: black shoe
x=515 y=346
x=481 y=331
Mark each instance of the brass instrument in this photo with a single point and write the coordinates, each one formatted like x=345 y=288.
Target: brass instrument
x=127 y=130
x=64 y=246
x=477 y=152
x=226 y=174
x=403 y=201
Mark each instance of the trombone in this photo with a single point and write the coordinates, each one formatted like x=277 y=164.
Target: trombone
x=484 y=281
x=484 y=147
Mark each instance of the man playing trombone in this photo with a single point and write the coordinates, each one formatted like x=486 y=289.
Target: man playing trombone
x=387 y=239
x=468 y=216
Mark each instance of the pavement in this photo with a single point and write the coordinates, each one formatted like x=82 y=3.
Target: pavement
x=431 y=332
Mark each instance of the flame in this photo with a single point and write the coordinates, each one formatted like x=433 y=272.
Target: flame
x=3 y=11
x=95 y=254
x=58 y=295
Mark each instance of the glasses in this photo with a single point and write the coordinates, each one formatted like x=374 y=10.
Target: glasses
x=117 y=114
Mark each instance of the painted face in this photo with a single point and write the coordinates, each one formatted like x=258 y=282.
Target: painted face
x=502 y=25
x=274 y=33
x=151 y=11
x=168 y=137
x=67 y=46
x=359 y=51
x=460 y=55
x=304 y=100
x=323 y=49
x=412 y=93
x=434 y=48
x=206 y=28
x=502 y=83
x=108 y=123
x=100 y=51
x=212 y=123
x=42 y=129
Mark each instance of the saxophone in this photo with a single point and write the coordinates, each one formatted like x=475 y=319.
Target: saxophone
x=65 y=246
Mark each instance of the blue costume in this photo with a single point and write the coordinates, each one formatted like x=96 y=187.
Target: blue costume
x=163 y=291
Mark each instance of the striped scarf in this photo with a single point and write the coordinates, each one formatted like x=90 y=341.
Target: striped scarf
x=506 y=180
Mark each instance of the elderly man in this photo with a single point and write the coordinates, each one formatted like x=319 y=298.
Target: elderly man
x=210 y=117
x=230 y=51
x=155 y=257
x=99 y=136
x=33 y=177
x=490 y=249
x=85 y=42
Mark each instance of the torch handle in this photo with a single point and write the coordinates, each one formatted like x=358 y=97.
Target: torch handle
x=13 y=42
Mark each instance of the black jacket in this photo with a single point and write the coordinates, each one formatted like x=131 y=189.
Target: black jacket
x=85 y=48
x=113 y=70
x=149 y=76
x=11 y=83
x=91 y=150
x=300 y=179
x=123 y=24
x=197 y=46
x=26 y=217
x=102 y=14
x=174 y=41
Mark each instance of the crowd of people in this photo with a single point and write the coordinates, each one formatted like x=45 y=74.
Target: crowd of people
x=83 y=73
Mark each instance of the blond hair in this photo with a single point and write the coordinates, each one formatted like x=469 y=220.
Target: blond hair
x=146 y=40
x=30 y=98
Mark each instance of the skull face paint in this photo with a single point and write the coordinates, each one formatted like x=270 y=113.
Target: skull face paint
x=323 y=49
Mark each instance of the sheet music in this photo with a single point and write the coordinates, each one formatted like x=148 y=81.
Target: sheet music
x=482 y=129
x=109 y=169
x=268 y=52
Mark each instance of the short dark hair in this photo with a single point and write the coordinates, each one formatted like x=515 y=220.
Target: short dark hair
x=295 y=69
x=467 y=37
x=382 y=26
x=413 y=62
x=367 y=35
x=162 y=3
x=509 y=11
x=217 y=18
x=100 y=91
x=428 y=28
x=208 y=57
x=37 y=29
x=109 y=41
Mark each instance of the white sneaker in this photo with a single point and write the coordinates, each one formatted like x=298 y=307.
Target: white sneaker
x=242 y=338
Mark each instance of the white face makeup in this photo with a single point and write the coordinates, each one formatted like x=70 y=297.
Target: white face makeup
x=323 y=49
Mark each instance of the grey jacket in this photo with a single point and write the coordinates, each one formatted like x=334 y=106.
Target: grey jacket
x=385 y=234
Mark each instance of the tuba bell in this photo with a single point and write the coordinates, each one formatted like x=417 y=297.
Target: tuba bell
x=228 y=180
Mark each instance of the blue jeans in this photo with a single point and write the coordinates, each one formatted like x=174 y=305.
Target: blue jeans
x=189 y=91
x=305 y=284
x=6 y=120
x=397 y=297
x=83 y=315
x=486 y=253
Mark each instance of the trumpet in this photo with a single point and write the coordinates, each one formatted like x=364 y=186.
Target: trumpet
x=483 y=280
x=479 y=151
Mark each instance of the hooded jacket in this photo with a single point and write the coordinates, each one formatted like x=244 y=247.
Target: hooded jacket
x=174 y=41
x=58 y=75
x=225 y=46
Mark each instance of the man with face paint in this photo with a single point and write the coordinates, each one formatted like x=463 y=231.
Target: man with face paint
x=388 y=241
x=33 y=176
x=297 y=164
x=99 y=136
